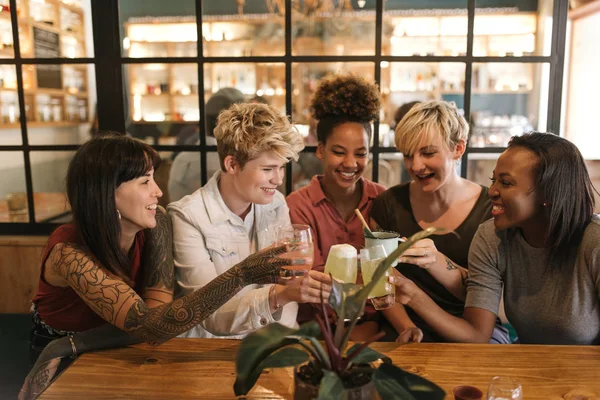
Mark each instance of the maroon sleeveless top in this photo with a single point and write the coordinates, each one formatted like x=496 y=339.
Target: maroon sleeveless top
x=61 y=307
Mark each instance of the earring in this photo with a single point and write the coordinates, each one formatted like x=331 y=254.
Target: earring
x=545 y=204
x=119 y=214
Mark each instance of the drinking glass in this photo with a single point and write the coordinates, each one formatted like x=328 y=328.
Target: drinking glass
x=504 y=388
x=301 y=235
x=17 y=203
x=341 y=263
x=383 y=293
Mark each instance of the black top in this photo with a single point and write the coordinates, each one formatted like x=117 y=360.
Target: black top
x=392 y=212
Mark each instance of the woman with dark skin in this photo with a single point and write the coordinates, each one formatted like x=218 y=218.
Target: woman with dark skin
x=541 y=251
x=344 y=106
x=92 y=263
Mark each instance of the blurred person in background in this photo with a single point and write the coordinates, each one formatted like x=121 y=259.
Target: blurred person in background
x=185 y=177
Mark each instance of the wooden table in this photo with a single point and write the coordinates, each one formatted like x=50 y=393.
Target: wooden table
x=47 y=205
x=205 y=369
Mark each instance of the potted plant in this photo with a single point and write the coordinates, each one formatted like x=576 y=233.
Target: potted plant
x=333 y=371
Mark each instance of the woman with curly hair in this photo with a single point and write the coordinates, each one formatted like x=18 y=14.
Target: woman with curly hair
x=344 y=105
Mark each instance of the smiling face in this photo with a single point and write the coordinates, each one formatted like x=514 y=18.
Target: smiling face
x=136 y=201
x=433 y=163
x=257 y=181
x=345 y=154
x=516 y=203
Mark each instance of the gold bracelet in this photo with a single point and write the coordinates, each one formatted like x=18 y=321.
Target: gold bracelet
x=274 y=292
x=73 y=347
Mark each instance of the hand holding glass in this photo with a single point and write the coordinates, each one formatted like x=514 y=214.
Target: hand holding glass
x=383 y=293
x=300 y=235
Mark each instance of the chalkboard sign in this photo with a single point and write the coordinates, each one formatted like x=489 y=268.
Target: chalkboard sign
x=46 y=44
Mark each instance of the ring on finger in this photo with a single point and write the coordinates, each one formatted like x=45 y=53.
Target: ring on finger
x=426 y=253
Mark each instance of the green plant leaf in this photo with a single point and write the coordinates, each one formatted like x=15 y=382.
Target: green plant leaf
x=339 y=293
x=258 y=345
x=356 y=299
x=307 y=330
x=286 y=357
x=395 y=383
x=367 y=355
x=331 y=387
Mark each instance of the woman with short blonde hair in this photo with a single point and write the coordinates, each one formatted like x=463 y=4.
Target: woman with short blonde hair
x=432 y=137
x=426 y=120
x=246 y=130
x=236 y=214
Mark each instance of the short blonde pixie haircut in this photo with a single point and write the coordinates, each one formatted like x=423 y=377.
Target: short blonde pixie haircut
x=427 y=119
x=246 y=130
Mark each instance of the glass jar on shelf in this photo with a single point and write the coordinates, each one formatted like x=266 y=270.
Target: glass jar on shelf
x=56 y=106
x=70 y=109
x=44 y=108
x=9 y=108
x=82 y=110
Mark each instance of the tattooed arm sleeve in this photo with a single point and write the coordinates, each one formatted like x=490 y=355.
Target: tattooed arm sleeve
x=41 y=375
x=157 y=259
x=119 y=305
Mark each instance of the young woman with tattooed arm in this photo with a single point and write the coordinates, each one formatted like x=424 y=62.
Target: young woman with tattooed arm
x=114 y=263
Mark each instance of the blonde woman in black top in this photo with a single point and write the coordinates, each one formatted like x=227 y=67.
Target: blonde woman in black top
x=432 y=137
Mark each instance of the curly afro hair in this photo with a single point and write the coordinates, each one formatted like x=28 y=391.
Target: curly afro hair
x=346 y=97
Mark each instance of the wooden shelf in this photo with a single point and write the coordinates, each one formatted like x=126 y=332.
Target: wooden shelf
x=72 y=8
x=8 y=53
x=71 y=103
x=51 y=92
x=36 y=124
x=152 y=95
x=46 y=27
x=162 y=42
x=77 y=93
x=166 y=121
x=6 y=16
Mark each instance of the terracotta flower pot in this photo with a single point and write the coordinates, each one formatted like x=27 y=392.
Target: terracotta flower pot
x=307 y=391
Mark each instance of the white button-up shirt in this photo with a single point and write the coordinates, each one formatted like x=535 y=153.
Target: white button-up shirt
x=208 y=239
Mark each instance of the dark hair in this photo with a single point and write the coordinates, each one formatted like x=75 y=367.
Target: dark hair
x=94 y=173
x=403 y=110
x=219 y=101
x=563 y=181
x=344 y=98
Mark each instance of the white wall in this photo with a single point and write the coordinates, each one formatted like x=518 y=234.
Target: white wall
x=584 y=86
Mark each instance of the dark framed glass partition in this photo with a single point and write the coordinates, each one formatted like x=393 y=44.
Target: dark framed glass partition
x=71 y=67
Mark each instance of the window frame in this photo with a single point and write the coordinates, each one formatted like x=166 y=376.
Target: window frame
x=108 y=62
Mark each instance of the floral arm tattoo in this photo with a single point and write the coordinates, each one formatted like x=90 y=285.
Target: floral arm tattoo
x=118 y=304
x=450 y=265
x=157 y=259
